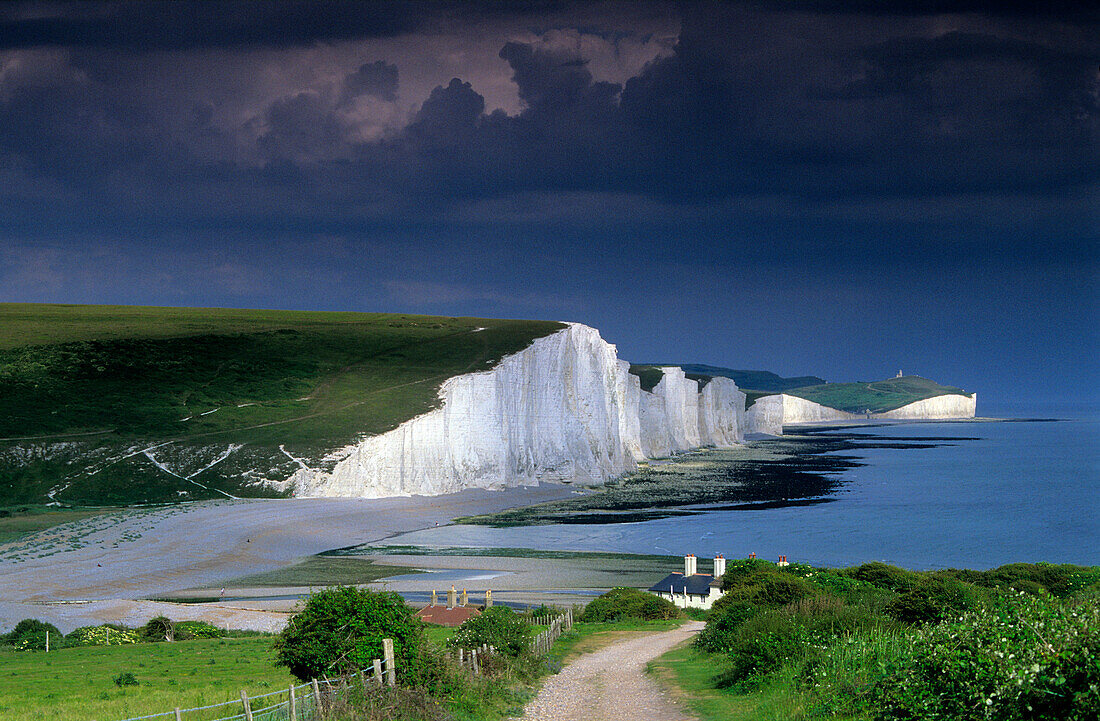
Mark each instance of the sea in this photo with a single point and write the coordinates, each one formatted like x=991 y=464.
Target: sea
x=1019 y=490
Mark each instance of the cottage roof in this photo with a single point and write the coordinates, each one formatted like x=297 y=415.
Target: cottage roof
x=443 y=616
x=699 y=584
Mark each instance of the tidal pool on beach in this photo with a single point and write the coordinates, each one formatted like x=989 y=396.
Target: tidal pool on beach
x=926 y=495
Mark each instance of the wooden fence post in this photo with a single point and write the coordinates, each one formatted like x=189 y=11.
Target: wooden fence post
x=179 y=716
x=387 y=658
x=473 y=660
x=378 y=671
x=292 y=703
x=47 y=641
x=363 y=679
x=247 y=706
x=317 y=696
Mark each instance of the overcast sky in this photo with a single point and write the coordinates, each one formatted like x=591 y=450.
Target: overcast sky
x=843 y=189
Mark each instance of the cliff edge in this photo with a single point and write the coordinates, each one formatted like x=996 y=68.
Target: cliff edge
x=564 y=409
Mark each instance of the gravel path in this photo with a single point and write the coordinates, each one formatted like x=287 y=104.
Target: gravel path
x=611 y=684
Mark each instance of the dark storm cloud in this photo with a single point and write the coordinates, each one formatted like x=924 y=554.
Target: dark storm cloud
x=752 y=102
x=168 y=24
x=1024 y=8
x=378 y=79
x=818 y=177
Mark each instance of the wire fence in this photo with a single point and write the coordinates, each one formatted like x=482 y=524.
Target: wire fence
x=304 y=702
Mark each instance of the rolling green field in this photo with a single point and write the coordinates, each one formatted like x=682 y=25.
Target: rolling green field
x=77 y=684
x=877 y=396
x=116 y=404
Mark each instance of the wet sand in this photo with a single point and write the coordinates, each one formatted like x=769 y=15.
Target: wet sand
x=131 y=555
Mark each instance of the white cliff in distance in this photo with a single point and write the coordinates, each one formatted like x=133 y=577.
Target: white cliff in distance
x=946 y=406
x=563 y=409
x=770 y=413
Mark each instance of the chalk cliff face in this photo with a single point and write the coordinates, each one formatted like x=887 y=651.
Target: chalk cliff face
x=563 y=409
x=765 y=416
x=800 y=410
x=950 y=406
x=769 y=413
x=721 y=413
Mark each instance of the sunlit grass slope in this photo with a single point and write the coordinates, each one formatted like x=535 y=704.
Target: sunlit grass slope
x=878 y=396
x=81 y=386
x=78 y=683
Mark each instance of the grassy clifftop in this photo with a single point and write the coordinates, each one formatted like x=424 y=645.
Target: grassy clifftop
x=85 y=390
x=877 y=396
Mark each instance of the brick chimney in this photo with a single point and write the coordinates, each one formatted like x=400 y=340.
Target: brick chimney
x=451 y=597
x=719 y=566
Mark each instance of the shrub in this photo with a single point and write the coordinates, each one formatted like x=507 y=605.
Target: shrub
x=1023 y=657
x=340 y=630
x=160 y=628
x=726 y=616
x=101 y=636
x=126 y=679
x=30 y=635
x=933 y=600
x=884 y=576
x=764 y=584
x=198 y=629
x=1059 y=579
x=620 y=603
x=498 y=626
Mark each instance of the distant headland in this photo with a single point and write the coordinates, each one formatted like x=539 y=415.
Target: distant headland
x=124 y=404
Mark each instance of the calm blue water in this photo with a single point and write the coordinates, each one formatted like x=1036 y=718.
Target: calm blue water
x=1024 y=491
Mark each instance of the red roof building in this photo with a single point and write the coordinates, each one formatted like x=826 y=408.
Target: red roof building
x=444 y=616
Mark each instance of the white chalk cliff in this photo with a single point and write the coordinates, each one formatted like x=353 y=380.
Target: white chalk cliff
x=770 y=413
x=939 y=407
x=563 y=409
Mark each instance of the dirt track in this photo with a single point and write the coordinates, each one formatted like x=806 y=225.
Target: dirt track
x=611 y=684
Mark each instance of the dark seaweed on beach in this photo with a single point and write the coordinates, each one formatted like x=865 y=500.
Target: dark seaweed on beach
x=797 y=470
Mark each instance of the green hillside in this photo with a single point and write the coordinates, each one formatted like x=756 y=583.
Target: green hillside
x=648 y=375
x=758 y=382
x=877 y=396
x=86 y=390
x=754 y=380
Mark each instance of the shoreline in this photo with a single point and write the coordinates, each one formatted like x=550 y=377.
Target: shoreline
x=109 y=563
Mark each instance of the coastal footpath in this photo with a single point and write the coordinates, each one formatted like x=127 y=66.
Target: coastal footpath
x=564 y=409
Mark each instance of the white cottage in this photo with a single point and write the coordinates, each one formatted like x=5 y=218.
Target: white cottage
x=691 y=589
